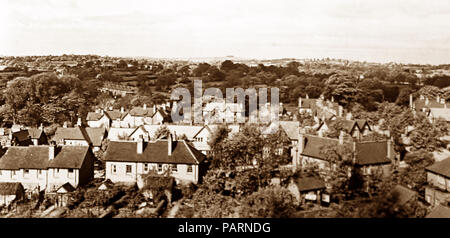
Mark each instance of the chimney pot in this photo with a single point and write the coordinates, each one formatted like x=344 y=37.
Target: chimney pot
x=51 y=151
x=145 y=106
x=79 y=120
x=122 y=110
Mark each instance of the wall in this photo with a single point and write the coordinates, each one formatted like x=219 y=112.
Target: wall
x=58 y=177
x=438 y=181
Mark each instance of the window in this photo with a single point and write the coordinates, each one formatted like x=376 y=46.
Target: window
x=27 y=171
x=13 y=172
x=40 y=171
x=128 y=169
x=145 y=167
x=189 y=169
x=174 y=168
x=114 y=170
x=70 y=170
x=159 y=167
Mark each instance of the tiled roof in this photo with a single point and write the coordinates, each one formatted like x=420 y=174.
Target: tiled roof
x=361 y=123
x=21 y=135
x=439 y=212
x=432 y=103
x=69 y=157
x=94 y=116
x=9 y=188
x=442 y=168
x=309 y=183
x=366 y=152
x=154 y=152
x=291 y=128
x=25 y=157
x=116 y=114
x=95 y=135
x=74 y=133
x=37 y=157
x=141 y=112
x=372 y=153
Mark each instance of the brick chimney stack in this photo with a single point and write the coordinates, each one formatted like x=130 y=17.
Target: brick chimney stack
x=169 y=144
x=140 y=145
x=51 y=151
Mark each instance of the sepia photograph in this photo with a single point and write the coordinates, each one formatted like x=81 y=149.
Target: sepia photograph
x=224 y=109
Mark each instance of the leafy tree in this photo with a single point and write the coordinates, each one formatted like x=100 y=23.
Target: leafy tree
x=161 y=132
x=269 y=202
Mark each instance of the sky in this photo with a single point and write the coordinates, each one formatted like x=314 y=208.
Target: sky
x=404 y=31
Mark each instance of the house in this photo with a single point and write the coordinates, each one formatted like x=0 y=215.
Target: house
x=140 y=116
x=117 y=117
x=126 y=160
x=368 y=157
x=80 y=136
x=47 y=167
x=20 y=138
x=9 y=192
x=71 y=164
x=354 y=128
x=306 y=105
x=438 y=178
x=307 y=188
x=38 y=136
x=439 y=212
x=98 y=119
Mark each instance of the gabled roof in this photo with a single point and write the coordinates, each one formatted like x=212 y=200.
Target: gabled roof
x=92 y=135
x=73 y=133
x=21 y=135
x=10 y=188
x=367 y=153
x=291 y=128
x=116 y=114
x=95 y=116
x=153 y=152
x=69 y=157
x=442 y=168
x=25 y=157
x=439 y=212
x=361 y=123
x=373 y=152
x=35 y=133
x=95 y=135
x=141 y=112
x=65 y=188
x=305 y=184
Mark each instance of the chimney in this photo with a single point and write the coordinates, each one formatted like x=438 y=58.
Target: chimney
x=154 y=107
x=79 y=120
x=307 y=97
x=332 y=99
x=349 y=116
x=300 y=102
x=122 y=110
x=51 y=151
x=389 y=148
x=169 y=144
x=301 y=141
x=341 y=111
x=41 y=126
x=341 y=137
x=410 y=101
x=102 y=111
x=438 y=99
x=65 y=124
x=145 y=106
x=140 y=145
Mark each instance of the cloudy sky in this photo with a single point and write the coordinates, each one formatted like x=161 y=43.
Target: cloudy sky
x=408 y=31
